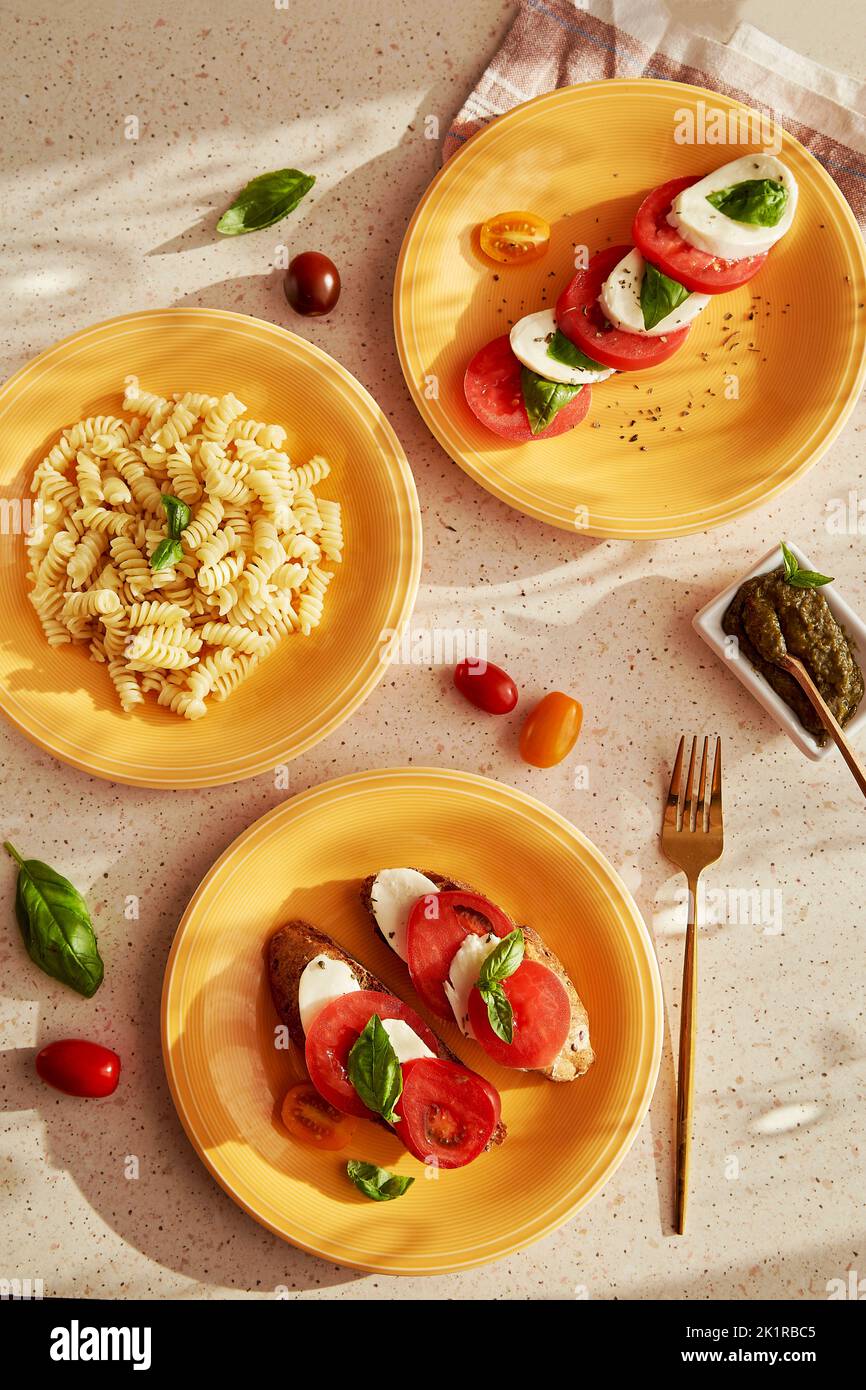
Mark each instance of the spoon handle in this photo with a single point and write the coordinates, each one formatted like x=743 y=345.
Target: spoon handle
x=826 y=716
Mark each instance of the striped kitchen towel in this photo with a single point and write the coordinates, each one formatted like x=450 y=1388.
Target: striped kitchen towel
x=553 y=43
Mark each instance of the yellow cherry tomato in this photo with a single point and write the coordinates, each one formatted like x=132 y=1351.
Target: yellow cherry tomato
x=308 y=1117
x=550 y=730
x=515 y=238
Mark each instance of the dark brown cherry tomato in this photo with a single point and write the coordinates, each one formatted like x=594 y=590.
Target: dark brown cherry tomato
x=486 y=686
x=312 y=284
x=79 y=1068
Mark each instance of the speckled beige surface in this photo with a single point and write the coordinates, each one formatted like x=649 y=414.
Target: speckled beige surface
x=97 y=225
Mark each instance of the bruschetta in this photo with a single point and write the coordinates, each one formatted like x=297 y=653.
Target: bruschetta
x=370 y=1054
x=447 y=933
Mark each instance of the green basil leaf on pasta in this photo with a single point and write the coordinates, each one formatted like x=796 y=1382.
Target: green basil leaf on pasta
x=169 y=552
x=178 y=514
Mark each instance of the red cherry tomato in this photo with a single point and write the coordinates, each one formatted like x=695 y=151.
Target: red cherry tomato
x=542 y=1017
x=447 y=1113
x=486 y=686
x=493 y=391
x=312 y=284
x=582 y=319
x=662 y=244
x=334 y=1034
x=79 y=1068
x=308 y=1117
x=550 y=730
x=437 y=924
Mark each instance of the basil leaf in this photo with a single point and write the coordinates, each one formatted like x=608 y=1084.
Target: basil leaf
x=265 y=200
x=56 y=926
x=809 y=579
x=659 y=296
x=563 y=350
x=503 y=960
x=374 y=1070
x=377 y=1183
x=544 y=399
x=801 y=579
x=499 y=1012
x=168 y=552
x=792 y=564
x=178 y=514
x=761 y=202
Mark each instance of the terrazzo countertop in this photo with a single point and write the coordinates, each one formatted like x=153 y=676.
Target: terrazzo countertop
x=96 y=225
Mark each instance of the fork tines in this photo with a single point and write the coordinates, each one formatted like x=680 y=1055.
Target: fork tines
x=686 y=811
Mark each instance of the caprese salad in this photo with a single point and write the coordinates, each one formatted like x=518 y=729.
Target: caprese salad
x=369 y=1055
x=632 y=306
x=472 y=965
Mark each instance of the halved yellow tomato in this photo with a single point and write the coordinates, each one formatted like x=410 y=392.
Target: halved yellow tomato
x=515 y=238
x=308 y=1117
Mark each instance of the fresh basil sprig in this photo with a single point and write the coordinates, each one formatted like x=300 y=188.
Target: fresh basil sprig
x=760 y=202
x=659 y=295
x=544 y=399
x=503 y=960
x=377 y=1183
x=801 y=579
x=265 y=200
x=170 y=551
x=374 y=1070
x=563 y=350
x=56 y=925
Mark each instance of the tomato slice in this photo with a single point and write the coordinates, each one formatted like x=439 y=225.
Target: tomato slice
x=542 y=1016
x=308 y=1117
x=550 y=730
x=662 y=244
x=447 y=1112
x=514 y=238
x=494 y=395
x=334 y=1033
x=581 y=318
x=437 y=924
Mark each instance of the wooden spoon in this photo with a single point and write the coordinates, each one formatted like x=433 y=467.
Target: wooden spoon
x=826 y=716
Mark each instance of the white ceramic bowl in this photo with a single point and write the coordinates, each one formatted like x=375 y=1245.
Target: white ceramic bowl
x=708 y=622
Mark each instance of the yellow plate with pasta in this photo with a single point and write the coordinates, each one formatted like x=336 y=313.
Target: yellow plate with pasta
x=306 y=859
x=210 y=532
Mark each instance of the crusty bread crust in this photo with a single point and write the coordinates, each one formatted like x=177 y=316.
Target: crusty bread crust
x=576 y=1055
x=290 y=950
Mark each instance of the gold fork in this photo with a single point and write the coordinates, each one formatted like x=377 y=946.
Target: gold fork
x=692 y=839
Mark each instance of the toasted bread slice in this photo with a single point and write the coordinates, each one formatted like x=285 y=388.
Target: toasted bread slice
x=290 y=950
x=576 y=1055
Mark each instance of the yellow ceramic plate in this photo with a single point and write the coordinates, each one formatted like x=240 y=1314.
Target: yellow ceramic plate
x=66 y=703
x=734 y=423
x=306 y=859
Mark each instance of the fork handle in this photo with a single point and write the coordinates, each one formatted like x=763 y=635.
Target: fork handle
x=685 y=1073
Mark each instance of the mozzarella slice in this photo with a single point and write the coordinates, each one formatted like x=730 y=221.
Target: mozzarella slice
x=530 y=338
x=463 y=971
x=620 y=301
x=703 y=226
x=393 y=893
x=405 y=1040
x=323 y=979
